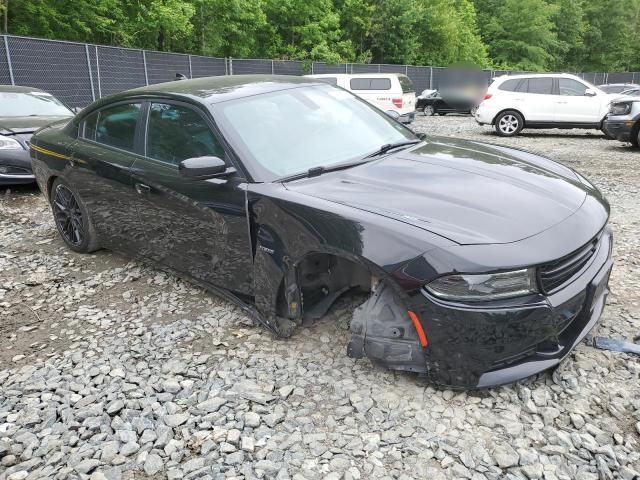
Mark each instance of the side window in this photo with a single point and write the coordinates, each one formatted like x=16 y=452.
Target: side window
x=509 y=85
x=370 y=84
x=114 y=126
x=568 y=86
x=523 y=87
x=541 y=85
x=175 y=133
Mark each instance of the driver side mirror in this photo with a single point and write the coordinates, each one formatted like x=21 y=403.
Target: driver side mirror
x=590 y=92
x=204 y=167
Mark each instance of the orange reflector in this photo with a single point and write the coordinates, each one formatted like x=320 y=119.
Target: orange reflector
x=418 y=326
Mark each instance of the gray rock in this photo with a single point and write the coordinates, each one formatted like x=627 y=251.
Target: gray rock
x=153 y=464
x=86 y=466
x=211 y=405
x=129 y=449
x=252 y=419
x=505 y=456
x=176 y=420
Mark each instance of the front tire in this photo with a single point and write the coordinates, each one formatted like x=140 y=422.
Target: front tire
x=635 y=136
x=509 y=123
x=72 y=219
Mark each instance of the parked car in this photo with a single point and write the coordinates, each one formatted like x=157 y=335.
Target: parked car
x=390 y=92
x=22 y=111
x=617 y=87
x=632 y=92
x=623 y=120
x=442 y=103
x=484 y=264
x=542 y=101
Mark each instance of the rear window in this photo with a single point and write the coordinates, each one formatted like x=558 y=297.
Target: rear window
x=406 y=84
x=370 y=84
x=541 y=85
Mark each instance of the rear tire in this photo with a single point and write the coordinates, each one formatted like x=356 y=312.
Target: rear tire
x=635 y=135
x=509 y=123
x=473 y=111
x=72 y=219
x=429 y=111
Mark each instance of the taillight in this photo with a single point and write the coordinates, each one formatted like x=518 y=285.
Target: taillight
x=397 y=102
x=487 y=96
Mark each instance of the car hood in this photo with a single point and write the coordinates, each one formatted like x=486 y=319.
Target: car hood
x=467 y=192
x=25 y=125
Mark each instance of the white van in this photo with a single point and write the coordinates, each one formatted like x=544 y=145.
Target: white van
x=390 y=92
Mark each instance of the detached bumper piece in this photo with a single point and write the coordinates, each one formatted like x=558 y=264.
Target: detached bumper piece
x=386 y=333
x=614 y=345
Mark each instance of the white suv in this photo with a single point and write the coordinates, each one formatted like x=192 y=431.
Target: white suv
x=542 y=101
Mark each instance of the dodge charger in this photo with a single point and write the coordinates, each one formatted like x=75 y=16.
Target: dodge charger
x=482 y=264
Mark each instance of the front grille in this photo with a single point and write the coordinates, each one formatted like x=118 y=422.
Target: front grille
x=555 y=274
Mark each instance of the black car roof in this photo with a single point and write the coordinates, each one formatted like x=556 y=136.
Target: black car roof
x=218 y=89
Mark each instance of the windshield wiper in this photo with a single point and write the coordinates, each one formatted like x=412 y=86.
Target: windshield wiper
x=315 y=171
x=392 y=146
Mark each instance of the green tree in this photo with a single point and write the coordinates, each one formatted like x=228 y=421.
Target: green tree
x=305 y=30
x=448 y=33
x=519 y=35
x=569 y=26
x=230 y=28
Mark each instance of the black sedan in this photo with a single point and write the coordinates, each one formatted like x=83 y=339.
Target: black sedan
x=441 y=103
x=22 y=111
x=484 y=264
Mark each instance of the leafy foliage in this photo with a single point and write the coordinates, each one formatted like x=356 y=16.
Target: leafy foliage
x=586 y=35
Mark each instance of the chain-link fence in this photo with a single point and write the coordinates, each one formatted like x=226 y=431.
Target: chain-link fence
x=79 y=73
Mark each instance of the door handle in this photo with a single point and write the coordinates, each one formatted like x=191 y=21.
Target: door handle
x=142 y=189
x=562 y=102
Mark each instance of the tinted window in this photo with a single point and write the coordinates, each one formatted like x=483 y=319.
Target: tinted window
x=175 y=133
x=571 y=87
x=541 y=85
x=370 y=84
x=406 y=84
x=523 y=86
x=509 y=85
x=114 y=126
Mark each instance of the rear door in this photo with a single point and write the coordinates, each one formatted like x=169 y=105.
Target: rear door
x=573 y=106
x=195 y=226
x=535 y=95
x=408 y=95
x=108 y=143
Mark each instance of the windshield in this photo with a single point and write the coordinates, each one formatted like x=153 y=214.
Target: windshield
x=288 y=132
x=26 y=104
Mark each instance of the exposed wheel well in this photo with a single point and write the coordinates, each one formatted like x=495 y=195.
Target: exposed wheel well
x=493 y=122
x=320 y=279
x=50 y=181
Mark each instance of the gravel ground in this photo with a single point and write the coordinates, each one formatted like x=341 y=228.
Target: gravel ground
x=110 y=369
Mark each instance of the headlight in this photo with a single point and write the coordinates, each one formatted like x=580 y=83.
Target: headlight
x=8 y=143
x=490 y=286
x=621 y=108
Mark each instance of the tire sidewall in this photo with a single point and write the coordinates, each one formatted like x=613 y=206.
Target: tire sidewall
x=89 y=241
x=518 y=128
x=429 y=111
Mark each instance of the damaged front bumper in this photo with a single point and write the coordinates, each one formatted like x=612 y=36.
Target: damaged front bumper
x=484 y=345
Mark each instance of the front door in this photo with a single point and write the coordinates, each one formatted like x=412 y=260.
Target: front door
x=573 y=106
x=196 y=226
